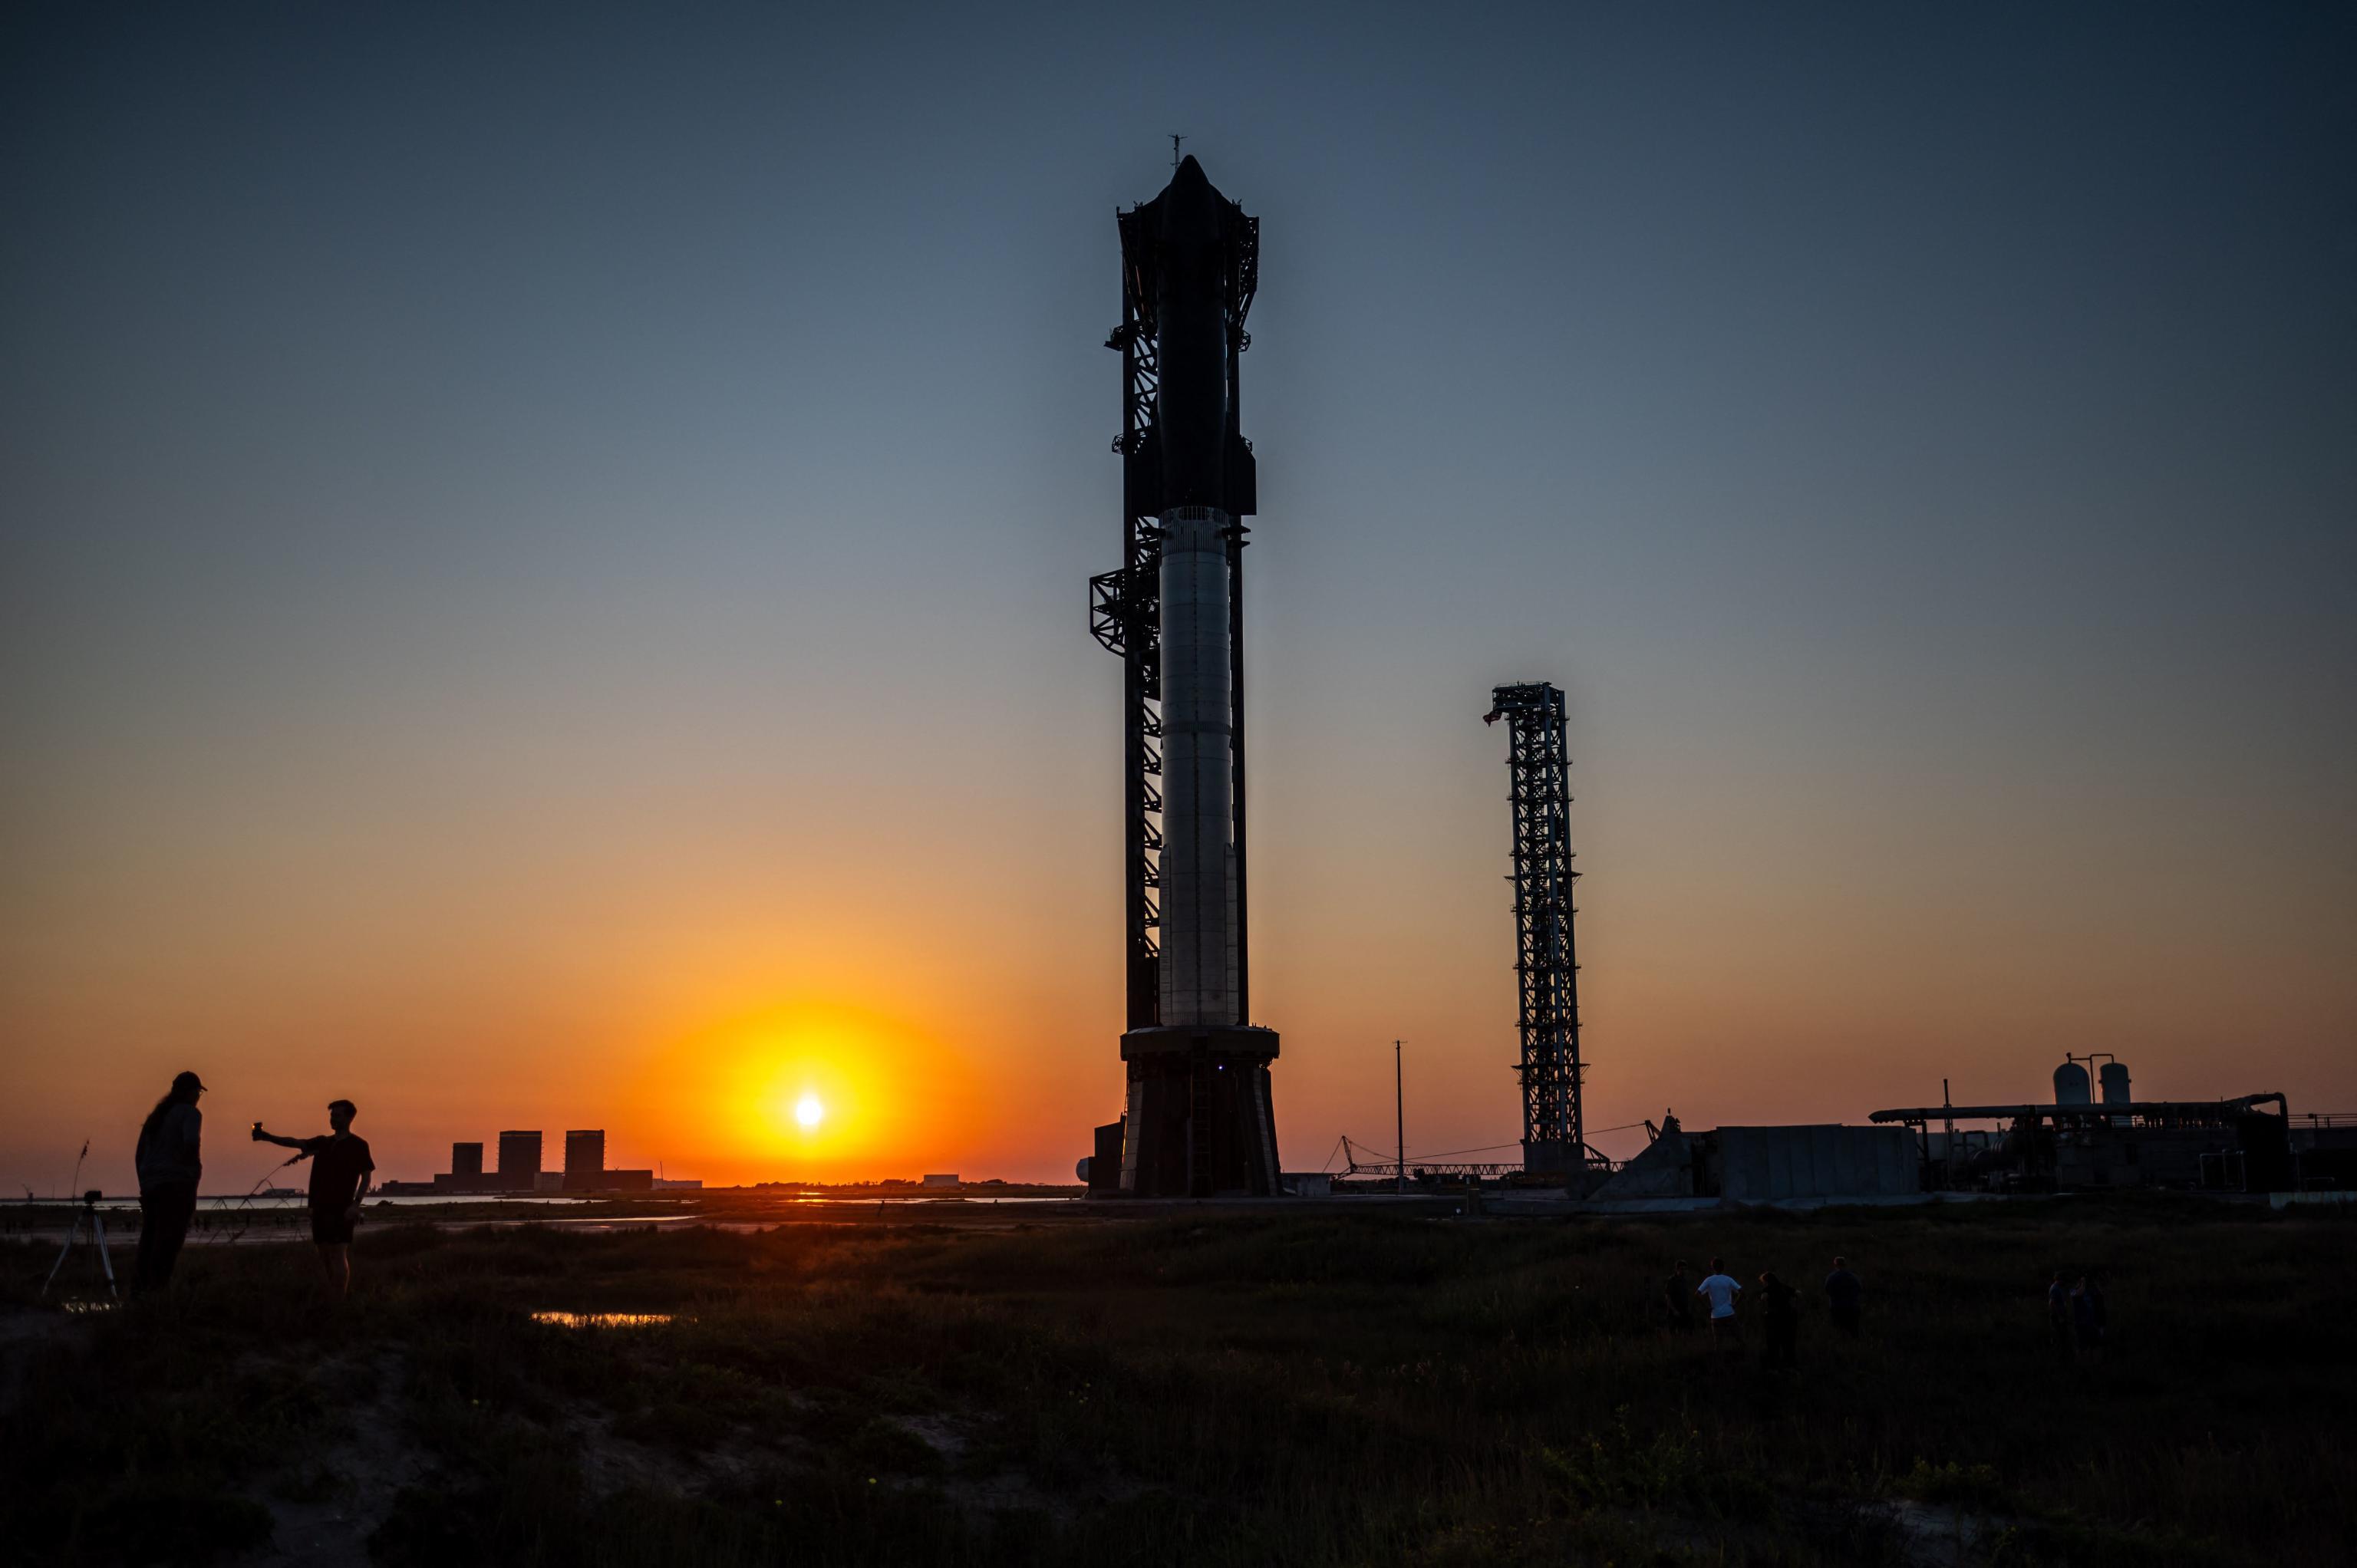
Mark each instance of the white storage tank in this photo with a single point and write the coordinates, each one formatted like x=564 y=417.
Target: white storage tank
x=2114 y=1076
x=2070 y=1085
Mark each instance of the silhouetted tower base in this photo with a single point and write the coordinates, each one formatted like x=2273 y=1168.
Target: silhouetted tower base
x=1199 y=1122
x=1553 y=1132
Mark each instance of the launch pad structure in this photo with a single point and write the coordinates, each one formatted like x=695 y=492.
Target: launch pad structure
x=1555 y=1135
x=1196 y=1119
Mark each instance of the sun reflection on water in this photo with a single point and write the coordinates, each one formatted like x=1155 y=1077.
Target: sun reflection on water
x=602 y=1319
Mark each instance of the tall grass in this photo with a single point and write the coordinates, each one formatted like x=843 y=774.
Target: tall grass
x=1291 y=1387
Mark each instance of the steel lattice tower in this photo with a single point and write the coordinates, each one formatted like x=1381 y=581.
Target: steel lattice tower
x=1554 y=1133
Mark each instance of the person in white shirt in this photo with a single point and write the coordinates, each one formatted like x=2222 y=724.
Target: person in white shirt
x=1722 y=1289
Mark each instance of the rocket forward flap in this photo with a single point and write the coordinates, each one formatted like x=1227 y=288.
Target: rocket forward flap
x=1190 y=259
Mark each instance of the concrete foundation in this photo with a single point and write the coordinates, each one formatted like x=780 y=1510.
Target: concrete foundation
x=1200 y=1124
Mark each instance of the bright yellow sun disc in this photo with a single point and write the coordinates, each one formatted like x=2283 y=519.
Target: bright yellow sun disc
x=808 y=1110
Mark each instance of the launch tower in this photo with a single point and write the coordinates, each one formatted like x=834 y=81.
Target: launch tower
x=1196 y=1119
x=1554 y=1135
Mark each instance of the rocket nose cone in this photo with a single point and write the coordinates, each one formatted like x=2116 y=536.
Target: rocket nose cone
x=1188 y=203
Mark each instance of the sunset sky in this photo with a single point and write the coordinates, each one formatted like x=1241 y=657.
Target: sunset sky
x=543 y=556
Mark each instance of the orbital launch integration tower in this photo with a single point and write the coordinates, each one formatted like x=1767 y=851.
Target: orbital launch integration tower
x=1197 y=1118
x=1555 y=1132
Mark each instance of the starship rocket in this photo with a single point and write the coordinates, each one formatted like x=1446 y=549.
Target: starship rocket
x=1197 y=1120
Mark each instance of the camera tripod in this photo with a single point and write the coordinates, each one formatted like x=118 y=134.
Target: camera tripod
x=90 y=1228
x=243 y=1209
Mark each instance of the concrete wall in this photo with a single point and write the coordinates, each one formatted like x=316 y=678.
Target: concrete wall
x=1757 y=1164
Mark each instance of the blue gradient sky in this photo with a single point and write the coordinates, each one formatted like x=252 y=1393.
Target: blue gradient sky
x=536 y=538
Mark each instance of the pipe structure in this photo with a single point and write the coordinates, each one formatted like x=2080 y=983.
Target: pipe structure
x=2157 y=1111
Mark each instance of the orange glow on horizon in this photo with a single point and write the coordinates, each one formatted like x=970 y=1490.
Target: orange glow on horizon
x=816 y=1091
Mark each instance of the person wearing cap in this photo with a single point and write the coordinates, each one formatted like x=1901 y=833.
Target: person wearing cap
x=340 y=1169
x=170 y=1164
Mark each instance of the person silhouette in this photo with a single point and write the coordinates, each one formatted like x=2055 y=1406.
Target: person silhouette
x=1721 y=1287
x=341 y=1168
x=1845 y=1292
x=2087 y=1320
x=171 y=1163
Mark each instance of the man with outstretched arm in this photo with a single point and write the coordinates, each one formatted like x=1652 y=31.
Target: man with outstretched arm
x=340 y=1169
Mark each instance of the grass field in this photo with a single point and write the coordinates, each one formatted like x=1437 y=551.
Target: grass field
x=1296 y=1388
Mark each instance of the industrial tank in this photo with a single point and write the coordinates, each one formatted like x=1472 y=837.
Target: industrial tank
x=2070 y=1085
x=2114 y=1079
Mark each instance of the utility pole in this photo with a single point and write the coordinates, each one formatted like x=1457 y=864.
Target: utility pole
x=1399 y=1111
x=1947 y=1134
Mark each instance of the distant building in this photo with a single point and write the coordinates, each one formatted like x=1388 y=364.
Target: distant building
x=934 y=1178
x=465 y=1171
x=519 y=1170
x=685 y=1184
x=2325 y=1147
x=1753 y=1165
x=584 y=1160
x=1770 y=1164
x=2078 y=1143
x=519 y=1162
x=1103 y=1167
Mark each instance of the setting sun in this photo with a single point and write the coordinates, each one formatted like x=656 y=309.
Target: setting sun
x=808 y=1089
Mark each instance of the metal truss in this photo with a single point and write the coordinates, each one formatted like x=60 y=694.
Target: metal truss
x=1125 y=616
x=1554 y=1131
